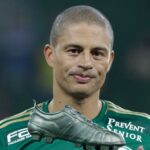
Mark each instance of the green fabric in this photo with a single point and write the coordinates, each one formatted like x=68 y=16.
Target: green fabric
x=134 y=126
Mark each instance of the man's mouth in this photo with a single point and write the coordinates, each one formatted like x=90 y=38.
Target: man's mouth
x=82 y=79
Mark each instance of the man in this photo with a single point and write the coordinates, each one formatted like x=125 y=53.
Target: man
x=80 y=53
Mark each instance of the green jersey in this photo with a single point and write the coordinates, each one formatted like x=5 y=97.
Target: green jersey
x=133 y=126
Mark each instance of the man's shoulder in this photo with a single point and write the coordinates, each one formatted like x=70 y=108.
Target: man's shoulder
x=11 y=126
x=132 y=125
x=126 y=112
x=16 y=119
x=14 y=128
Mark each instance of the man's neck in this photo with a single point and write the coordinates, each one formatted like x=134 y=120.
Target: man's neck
x=90 y=107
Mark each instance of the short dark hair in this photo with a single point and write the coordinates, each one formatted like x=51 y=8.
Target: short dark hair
x=78 y=14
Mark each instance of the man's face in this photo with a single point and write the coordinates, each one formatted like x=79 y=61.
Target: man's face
x=81 y=59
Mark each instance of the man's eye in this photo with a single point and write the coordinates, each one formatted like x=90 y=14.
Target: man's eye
x=74 y=51
x=97 y=53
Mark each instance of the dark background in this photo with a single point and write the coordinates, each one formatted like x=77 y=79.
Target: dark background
x=24 y=29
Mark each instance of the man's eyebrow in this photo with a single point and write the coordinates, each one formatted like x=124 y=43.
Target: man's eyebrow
x=100 y=48
x=73 y=45
x=80 y=47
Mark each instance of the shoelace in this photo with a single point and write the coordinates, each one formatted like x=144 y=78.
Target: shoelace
x=82 y=116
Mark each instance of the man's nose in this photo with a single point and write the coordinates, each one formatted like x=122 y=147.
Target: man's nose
x=85 y=61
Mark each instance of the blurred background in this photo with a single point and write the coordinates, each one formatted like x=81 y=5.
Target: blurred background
x=24 y=30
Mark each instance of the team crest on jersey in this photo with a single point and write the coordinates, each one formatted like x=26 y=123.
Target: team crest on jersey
x=17 y=136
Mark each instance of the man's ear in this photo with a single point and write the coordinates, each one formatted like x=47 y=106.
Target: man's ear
x=49 y=54
x=111 y=59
